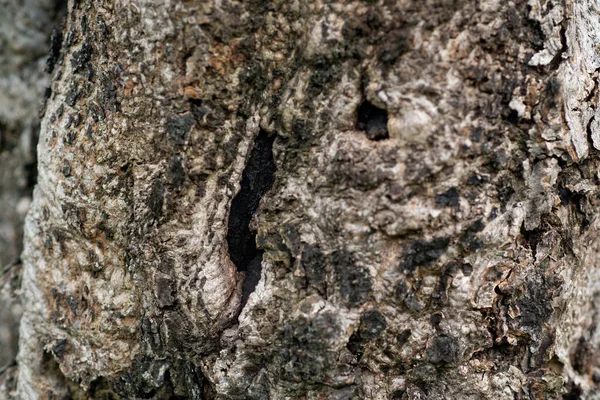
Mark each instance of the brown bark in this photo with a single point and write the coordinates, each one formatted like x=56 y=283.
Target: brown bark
x=316 y=199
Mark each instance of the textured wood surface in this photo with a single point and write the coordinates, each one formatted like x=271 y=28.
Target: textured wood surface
x=429 y=230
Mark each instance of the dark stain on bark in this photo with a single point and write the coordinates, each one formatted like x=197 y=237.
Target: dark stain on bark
x=108 y=93
x=440 y=296
x=314 y=264
x=66 y=170
x=81 y=57
x=149 y=379
x=435 y=320
x=156 y=198
x=402 y=337
x=70 y=137
x=372 y=325
x=469 y=241
x=354 y=282
x=450 y=198
x=165 y=291
x=303 y=131
x=178 y=127
x=467 y=269
x=305 y=348
x=325 y=72
x=256 y=77
x=422 y=253
x=443 y=348
x=177 y=172
x=257 y=179
x=393 y=49
x=534 y=300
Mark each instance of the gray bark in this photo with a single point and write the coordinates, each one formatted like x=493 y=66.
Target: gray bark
x=316 y=199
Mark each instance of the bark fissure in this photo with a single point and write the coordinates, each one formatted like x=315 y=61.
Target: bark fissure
x=257 y=179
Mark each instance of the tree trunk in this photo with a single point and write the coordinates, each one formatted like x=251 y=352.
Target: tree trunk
x=316 y=199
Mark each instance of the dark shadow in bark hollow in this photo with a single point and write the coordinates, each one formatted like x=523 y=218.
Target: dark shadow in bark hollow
x=257 y=179
x=373 y=121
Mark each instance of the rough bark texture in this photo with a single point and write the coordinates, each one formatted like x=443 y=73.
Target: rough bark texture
x=317 y=199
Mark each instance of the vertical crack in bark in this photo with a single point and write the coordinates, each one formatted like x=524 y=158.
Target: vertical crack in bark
x=257 y=179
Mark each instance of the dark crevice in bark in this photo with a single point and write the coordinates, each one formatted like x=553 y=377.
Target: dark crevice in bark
x=532 y=238
x=373 y=120
x=588 y=127
x=576 y=202
x=537 y=37
x=31 y=172
x=556 y=61
x=257 y=179
x=593 y=94
x=101 y=389
x=65 y=387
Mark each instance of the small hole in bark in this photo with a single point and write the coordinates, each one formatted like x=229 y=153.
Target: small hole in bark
x=257 y=179
x=373 y=120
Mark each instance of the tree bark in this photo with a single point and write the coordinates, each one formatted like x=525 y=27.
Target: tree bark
x=316 y=199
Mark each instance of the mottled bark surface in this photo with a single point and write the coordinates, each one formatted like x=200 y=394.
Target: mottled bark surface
x=316 y=199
